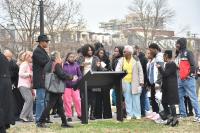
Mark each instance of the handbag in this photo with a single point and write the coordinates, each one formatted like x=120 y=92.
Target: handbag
x=53 y=83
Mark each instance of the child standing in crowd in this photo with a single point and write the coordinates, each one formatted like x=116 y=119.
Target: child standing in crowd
x=25 y=87
x=169 y=88
x=71 y=67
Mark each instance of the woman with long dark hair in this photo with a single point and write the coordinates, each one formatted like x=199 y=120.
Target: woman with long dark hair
x=103 y=106
x=90 y=62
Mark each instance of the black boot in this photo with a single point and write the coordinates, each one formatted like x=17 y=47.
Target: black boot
x=64 y=123
x=169 y=121
x=42 y=125
x=48 y=119
x=174 y=122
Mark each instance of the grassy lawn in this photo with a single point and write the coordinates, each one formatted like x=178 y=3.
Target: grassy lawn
x=112 y=126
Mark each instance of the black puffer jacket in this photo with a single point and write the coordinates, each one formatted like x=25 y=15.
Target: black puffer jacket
x=143 y=61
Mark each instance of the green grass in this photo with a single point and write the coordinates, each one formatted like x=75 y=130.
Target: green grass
x=112 y=126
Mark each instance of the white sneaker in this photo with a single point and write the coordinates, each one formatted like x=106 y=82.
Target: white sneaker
x=196 y=119
x=147 y=113
x=128 y=118
x=181 y=118
x=24 y=119
x=160 y=121
x=156 y=117
x=151 y=115
x=138 y=118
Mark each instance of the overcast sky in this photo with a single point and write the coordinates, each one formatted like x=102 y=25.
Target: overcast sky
x=95 y=11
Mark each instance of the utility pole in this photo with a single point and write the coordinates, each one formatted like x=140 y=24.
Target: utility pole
x=41 y=17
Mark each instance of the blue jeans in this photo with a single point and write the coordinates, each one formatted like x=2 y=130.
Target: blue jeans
x=132 y=101
x=144 y=101
x=114 y=99
x=147 y=103
x=188 y=87
x=40 y=102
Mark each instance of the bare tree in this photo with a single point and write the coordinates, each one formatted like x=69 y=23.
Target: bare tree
x=61 y=17
x=151 y=15
x=23 y=14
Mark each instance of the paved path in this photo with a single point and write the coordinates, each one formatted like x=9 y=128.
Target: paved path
x=75 y=120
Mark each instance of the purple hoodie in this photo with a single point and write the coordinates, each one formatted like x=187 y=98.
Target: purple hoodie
x=72 y=69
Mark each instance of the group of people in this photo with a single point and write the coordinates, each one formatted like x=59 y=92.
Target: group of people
x=168 y=78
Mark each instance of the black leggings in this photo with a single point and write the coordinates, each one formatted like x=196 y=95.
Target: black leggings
x=54 y=99
x=103 y=106
x=91 y=101
x=154 y=104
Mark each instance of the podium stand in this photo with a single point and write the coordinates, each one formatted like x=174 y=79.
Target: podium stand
x=101 y=79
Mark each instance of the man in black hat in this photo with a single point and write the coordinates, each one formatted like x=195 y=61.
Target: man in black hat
x=40 y=58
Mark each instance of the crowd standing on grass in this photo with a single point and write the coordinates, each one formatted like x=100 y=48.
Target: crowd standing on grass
x=157 y=82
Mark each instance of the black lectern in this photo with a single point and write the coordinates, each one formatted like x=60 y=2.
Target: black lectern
x=101 y=80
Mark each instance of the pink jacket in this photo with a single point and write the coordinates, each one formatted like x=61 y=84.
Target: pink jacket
x=25 y=75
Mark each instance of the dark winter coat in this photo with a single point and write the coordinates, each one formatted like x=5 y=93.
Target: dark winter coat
x=58 y=70
x=169 y=84
x=6 y=98
x=14 y=70
x=107 y=62
x=114 y=62
x=143 y=61
x=40 y=58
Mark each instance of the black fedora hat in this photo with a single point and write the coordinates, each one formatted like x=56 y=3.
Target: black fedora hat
x=42 y=38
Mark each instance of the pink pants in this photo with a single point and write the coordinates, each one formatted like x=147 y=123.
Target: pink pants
x=68 y=96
